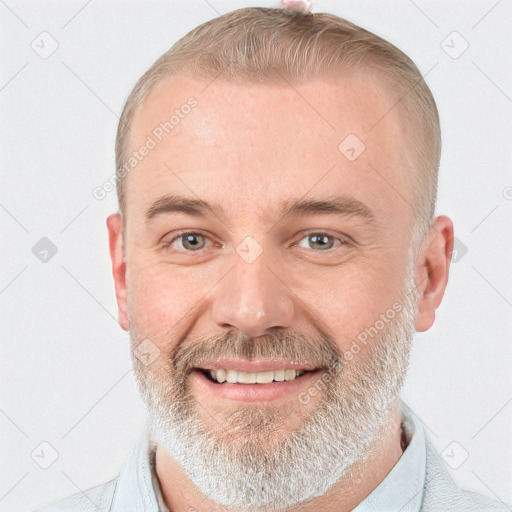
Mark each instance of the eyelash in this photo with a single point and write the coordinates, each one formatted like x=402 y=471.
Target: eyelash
x=343 y=241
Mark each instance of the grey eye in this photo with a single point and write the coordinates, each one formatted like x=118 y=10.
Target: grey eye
x=319 y=241
x=190 y=241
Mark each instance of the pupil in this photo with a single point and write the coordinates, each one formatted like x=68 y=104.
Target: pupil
x=318 y=239
x=189 y=239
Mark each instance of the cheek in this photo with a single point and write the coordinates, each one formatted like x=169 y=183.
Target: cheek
x=160 y=302
x=350 y=300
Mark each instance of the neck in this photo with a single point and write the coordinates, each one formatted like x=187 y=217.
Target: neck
x=181 y=495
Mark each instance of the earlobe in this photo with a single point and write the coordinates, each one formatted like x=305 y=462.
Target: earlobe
x=117 y=256
x=432 y=269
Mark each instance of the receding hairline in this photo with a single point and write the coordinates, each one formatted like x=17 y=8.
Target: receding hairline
x=380 y=83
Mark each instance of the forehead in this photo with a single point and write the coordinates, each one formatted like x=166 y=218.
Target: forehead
x=251 y=146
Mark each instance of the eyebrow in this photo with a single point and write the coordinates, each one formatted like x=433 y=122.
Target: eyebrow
x=343 y=205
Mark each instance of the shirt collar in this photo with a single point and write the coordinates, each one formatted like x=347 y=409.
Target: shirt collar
x=402 y=489
x=138 y=487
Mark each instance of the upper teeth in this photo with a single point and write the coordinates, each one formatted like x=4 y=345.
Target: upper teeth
x=233 y=376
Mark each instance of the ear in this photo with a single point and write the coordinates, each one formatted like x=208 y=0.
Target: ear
x=432 y=268
x=117 y=255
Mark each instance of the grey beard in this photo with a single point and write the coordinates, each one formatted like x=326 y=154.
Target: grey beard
x=247 y=463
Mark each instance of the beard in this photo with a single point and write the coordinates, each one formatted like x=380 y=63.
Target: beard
x=246 y=457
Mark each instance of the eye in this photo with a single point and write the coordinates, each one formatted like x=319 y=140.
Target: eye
x=321 y=241
x=190 y=241
x=194 y=241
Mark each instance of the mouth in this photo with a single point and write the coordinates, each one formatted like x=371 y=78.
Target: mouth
x=249 y=381
x=231 y=376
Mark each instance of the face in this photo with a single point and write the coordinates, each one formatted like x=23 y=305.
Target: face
x=295 y=283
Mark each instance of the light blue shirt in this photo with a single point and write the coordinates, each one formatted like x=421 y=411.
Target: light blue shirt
x=401 y=491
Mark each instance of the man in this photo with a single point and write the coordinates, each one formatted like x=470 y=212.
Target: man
x=274 y=253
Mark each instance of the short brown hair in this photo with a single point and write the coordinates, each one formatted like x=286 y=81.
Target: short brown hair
x=256 y=44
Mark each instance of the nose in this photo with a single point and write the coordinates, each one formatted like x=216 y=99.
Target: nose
x=252 y=299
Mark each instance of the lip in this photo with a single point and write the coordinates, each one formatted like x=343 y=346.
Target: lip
x=253 y=392
x=243 y=365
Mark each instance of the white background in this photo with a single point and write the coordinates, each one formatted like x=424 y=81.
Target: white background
x=65 y=370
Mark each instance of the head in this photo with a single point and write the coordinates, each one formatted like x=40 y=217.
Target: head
x=277 y=183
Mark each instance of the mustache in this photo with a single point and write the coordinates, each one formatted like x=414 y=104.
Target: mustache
x=319 y=351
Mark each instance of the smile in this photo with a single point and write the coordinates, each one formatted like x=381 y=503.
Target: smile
x=239 y=377
x=249 y=381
